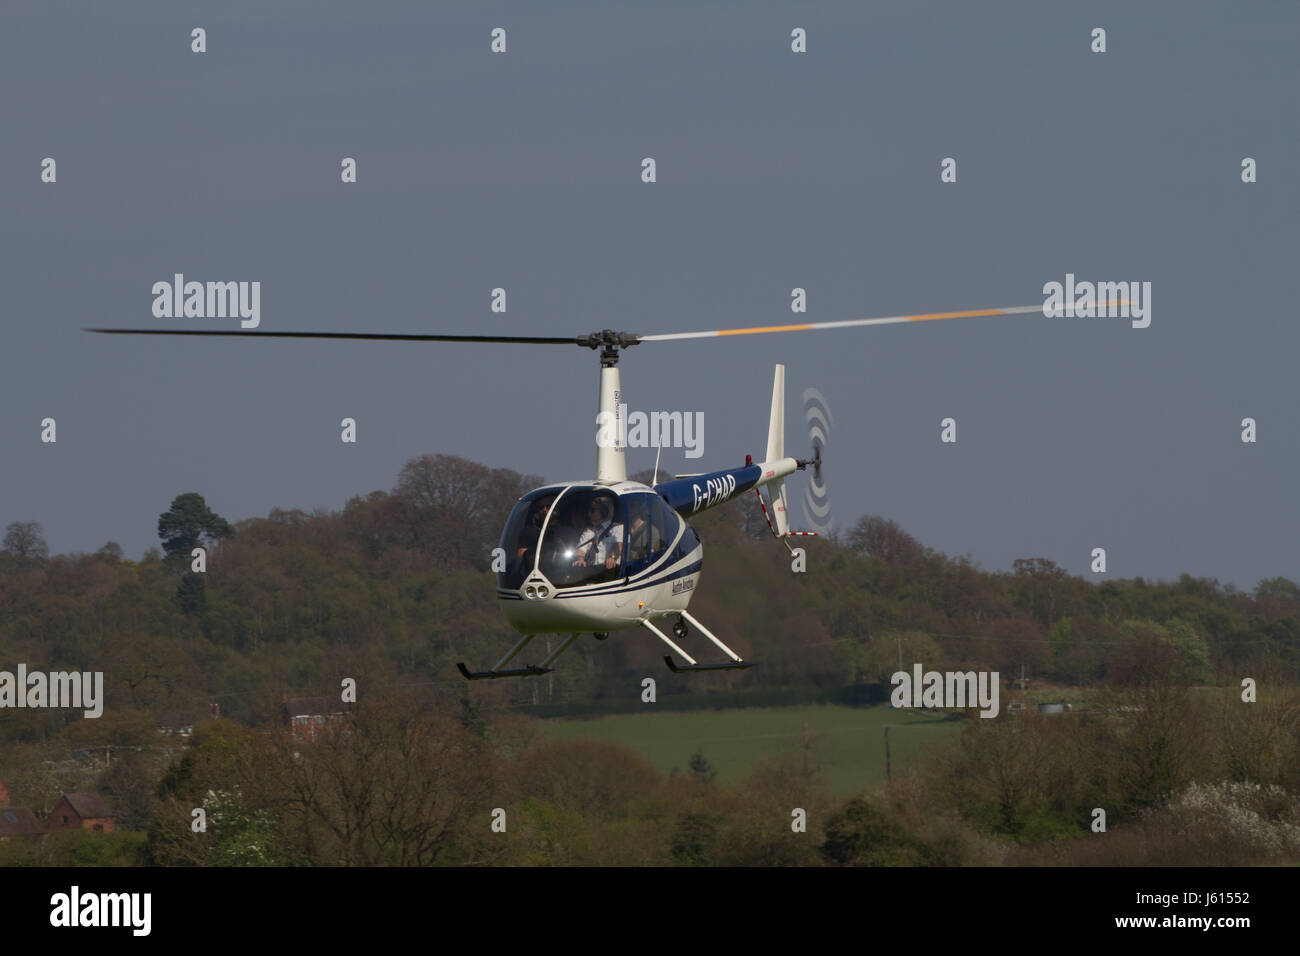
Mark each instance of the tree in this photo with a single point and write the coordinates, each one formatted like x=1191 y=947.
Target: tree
x=110 y=552
x=1045 y=589
x=883 y=539
x=864 y=833
x=1193 y=650
x=189 y=524
x=26 y=540
x=701 y=766
x=192 y=593
x=454 y=508
x=1157 y=740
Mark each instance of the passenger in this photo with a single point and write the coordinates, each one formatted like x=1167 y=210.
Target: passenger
x=638 y=537
x=601 y=541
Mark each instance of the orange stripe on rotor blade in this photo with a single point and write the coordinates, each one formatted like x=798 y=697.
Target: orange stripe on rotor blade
x=954 y=315
x=767 y=328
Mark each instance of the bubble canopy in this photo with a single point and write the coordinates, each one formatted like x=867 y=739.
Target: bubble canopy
x=572 y=535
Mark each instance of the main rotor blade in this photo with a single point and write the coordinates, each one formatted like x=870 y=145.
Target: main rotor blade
x=811 y=326
x=373 y=336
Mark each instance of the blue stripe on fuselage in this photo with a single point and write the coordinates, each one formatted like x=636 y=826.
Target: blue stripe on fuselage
x=629 y=588
x=688 y=496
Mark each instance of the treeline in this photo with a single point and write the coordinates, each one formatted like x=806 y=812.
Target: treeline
x=395 y=588
x=1157 y=774
x=403 y=577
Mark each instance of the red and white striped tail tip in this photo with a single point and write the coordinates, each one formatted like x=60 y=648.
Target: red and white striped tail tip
x=766 y=517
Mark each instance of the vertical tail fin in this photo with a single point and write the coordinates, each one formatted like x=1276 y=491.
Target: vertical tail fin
x=776 y=450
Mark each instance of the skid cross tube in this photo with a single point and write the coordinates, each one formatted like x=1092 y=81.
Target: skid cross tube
x=667 y=640
x=691 y=664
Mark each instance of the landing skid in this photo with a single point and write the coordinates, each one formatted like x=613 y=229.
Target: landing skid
x=691 y=664
x=531 y=671
x=682 y=668
x=491 y=675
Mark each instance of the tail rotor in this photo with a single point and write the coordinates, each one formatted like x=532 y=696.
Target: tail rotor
x=816 y=500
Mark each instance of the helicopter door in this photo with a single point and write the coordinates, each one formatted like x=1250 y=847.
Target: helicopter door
x=651 y=526
x=639 y=527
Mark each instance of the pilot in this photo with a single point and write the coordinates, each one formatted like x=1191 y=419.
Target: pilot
x=602 y=540
x=533 y=528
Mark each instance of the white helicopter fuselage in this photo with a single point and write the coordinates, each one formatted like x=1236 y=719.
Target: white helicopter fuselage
x=649 y=585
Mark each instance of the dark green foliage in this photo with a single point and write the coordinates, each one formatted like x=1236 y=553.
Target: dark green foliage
x=701 y=767
x=861 y=834
x=77 y=848
x=692 y=840
x=189 y=524
x=191 y=593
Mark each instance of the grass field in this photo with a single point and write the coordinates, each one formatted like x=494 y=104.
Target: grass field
x=848 y=742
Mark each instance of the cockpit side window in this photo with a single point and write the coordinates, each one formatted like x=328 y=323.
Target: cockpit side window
x=666 y=524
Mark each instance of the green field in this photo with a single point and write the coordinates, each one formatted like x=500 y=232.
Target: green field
x=848 y=742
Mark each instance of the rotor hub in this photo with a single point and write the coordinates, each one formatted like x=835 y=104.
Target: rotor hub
x=609 y=342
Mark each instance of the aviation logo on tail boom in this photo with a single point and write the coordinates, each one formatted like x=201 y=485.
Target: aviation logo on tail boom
x=716 y=491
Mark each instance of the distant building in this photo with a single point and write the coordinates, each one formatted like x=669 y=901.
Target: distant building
x=18 y=822
x=81 y=811
x=307 y=717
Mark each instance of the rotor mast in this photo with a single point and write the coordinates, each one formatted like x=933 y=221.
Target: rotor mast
x=611 y=465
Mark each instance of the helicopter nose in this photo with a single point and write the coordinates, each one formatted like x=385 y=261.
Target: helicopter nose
x=537 y=588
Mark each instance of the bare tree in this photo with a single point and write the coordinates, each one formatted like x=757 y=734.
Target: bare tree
x=26 y=540
x=455 y=507
x=883 y=539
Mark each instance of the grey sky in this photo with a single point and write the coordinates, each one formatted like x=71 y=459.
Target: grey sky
x=775 y=170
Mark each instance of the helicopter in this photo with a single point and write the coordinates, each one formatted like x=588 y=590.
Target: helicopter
x=611 y=554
